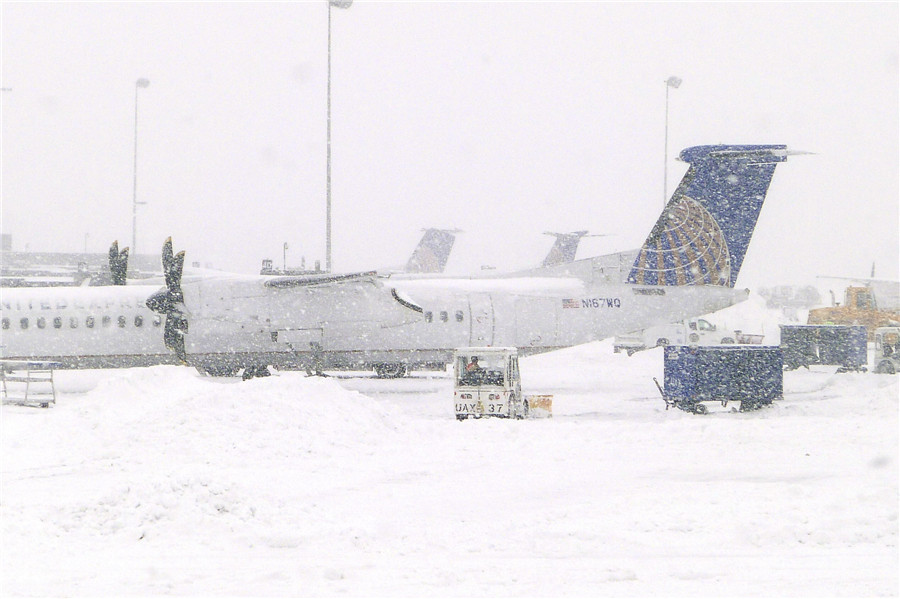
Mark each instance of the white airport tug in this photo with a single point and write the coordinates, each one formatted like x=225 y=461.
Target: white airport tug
x=487 y=383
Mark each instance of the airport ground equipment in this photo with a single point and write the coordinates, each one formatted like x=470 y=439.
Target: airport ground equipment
x=26 y=382
x=859 y=308
x=695 y=331
x=751 y=375
x=887 y=350
x=824 y=344
x=487 y=383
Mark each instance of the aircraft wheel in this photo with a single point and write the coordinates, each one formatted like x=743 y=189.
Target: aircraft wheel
x=700 y=409
x=727 y=341
x=662 y=342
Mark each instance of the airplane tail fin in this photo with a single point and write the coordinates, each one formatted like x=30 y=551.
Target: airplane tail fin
x=430 y=256
x=702 y=235
x=564 y=248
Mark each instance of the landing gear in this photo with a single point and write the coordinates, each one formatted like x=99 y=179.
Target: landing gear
x=255 y=371
x=390 y=370
x=216 y=370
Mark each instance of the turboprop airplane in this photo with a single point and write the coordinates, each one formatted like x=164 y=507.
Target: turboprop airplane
x=687 y=267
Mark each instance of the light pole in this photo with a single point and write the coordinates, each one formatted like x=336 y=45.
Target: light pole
x=672 y=81
x=134 y=203
x=337 y=4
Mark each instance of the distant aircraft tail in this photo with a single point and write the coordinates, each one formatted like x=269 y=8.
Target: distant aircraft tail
x=430 y=256
x=564 y=248
x=703 y=232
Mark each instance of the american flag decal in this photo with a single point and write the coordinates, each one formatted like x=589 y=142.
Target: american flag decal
x=571 y=303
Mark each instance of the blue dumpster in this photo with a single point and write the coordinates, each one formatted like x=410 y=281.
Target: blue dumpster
x=830 y=344
x=751 y=375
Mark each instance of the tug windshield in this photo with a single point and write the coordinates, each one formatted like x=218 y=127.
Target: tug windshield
x=480 y=370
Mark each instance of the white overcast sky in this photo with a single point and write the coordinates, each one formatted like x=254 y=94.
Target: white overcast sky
x=501 y=119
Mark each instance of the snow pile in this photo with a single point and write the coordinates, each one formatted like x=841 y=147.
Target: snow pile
x=162 y=481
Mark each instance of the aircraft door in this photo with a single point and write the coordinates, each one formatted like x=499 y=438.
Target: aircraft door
x=481 y=319
x=536 y=322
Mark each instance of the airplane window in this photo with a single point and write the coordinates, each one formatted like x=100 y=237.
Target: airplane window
x=57 y=323
x=106 y=320
x=73 y=323
x=5 y=323
x=443 y=316
x=428 y=317
x=122 y=321
x=89 y=322
x=459 y=316
x=41 y=322
x=24 y=323
x=138 y=320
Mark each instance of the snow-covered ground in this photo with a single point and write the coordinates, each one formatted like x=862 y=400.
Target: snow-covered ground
x=160 y=481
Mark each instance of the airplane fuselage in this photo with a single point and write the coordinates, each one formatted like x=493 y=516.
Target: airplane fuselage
x=420 y=322
x=235 y=323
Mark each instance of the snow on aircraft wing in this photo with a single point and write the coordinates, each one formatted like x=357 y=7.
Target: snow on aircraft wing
x=320 y=279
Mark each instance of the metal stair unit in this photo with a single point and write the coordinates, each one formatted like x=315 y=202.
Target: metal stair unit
x=24 y=382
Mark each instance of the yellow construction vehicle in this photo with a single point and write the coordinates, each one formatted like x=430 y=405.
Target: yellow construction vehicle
x=859 y=307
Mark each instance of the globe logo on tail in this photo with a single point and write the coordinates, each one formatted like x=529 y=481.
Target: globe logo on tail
x=686 y=247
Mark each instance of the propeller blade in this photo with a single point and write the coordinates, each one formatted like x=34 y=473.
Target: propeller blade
x=171 y=301
x=176 y=269
x=118 y=264
x=167 y=260
x=175 y=328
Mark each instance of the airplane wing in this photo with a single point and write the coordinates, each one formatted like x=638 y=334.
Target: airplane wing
x=320 y=279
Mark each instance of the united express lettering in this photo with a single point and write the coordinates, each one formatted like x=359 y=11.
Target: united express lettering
x=63 y=304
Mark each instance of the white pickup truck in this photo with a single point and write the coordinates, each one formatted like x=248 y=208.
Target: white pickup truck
x=696 y=331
